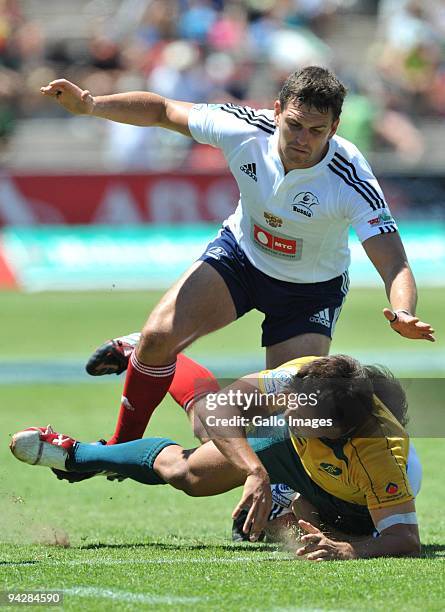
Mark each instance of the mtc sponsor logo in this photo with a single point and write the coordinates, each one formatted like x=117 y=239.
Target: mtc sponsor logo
x=281 y=246
x=303 y=203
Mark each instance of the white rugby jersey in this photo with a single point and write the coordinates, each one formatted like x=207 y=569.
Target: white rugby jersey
x=292 y=226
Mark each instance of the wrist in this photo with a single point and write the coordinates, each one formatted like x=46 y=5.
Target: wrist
x=397 y=312
x=258 y=471
x=92 y=106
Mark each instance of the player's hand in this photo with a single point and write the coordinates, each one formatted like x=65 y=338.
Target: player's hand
x=318 y=547
x=409 y=326
x=74 y=99
x=258 y=498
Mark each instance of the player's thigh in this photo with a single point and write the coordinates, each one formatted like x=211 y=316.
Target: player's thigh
x=198 y=472
x=298 y=346
x=199 y=303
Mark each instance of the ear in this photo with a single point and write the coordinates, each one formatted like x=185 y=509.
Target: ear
x=277 y=111
x=334 y=127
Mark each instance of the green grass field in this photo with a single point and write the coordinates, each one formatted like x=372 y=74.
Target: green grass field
x=134 y=547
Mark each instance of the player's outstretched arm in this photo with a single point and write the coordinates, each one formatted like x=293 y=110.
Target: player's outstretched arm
x=140 y=108
x=224 y=425
x=399 y=537
x=389 y=258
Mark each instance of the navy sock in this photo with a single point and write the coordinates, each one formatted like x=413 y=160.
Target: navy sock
x=132 y=459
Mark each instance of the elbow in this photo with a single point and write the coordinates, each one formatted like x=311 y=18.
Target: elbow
x=415 y=548
x=410 y=547
x=403 y=543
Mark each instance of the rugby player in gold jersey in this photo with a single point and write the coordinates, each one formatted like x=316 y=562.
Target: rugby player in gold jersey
x=345 y=453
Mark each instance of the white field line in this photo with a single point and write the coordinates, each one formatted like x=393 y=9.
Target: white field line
x=128 y=596
x=164 y=561
x=145 y=598
x=408 y=363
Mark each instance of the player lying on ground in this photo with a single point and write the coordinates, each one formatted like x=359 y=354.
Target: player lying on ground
x=113 y=356
x=353 y=474
x=285 y=249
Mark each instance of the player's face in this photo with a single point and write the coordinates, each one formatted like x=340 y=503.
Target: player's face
x=304 y=134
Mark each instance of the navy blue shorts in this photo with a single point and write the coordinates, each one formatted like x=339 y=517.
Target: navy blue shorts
x=290 y=309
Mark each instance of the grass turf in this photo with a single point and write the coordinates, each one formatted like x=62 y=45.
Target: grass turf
x=45 y=324
x=134 y=547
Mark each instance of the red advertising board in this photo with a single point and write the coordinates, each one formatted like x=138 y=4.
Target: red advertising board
x=113 y=199
x=116 y=199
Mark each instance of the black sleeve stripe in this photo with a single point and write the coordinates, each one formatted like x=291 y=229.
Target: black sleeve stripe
x=364 y=195
x=354 y=172
x=266 y=127
x=252 y=115
x=252 y=112
x=366 y=472
x=389 y=229
x=258 y=125
x=362 y=184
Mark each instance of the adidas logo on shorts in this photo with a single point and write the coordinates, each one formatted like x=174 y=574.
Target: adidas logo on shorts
x=321 y=317
x=250 y=170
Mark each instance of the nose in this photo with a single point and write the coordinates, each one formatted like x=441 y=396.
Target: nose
x=303 y=137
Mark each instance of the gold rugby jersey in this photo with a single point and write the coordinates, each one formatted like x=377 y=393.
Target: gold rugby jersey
x=367 y=471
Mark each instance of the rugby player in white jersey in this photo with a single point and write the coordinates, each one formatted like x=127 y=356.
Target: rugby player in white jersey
x=284 y=251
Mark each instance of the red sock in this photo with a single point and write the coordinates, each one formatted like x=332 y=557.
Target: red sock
x=191 y=381
x=145 y=387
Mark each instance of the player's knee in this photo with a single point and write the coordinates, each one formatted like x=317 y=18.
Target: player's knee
x=180 y=477
x=177 y=475
x=157 y=341
x=153 y=337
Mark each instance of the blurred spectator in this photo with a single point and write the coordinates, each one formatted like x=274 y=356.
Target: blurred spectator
x=197 y=20
x=219 y=50
x=370 y=123
x=412 y=52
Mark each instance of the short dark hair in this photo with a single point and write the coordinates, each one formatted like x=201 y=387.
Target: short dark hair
x=344 y=390
x=389 y=391
x=314 y=86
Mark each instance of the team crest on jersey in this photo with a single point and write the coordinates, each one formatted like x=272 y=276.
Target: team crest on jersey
x=303 y=203
x=273 y=220
x=331 y=469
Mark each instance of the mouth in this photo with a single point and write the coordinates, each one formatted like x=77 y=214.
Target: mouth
x=301 y=151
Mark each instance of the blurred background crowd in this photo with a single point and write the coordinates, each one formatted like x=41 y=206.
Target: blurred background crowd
x=390 y=53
